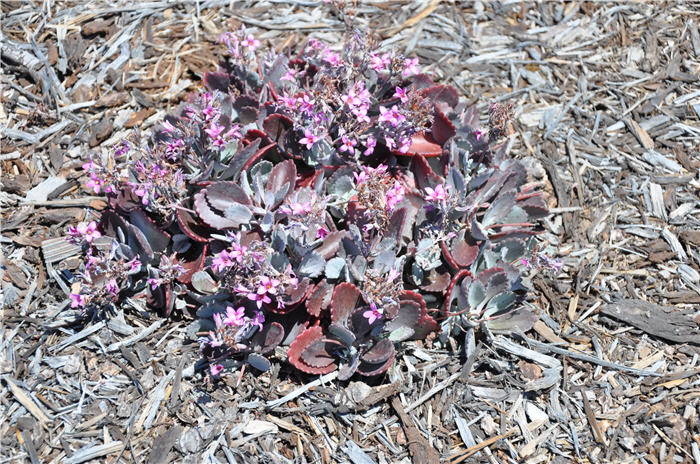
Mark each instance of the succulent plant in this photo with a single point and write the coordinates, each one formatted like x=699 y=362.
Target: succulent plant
x=334 y=203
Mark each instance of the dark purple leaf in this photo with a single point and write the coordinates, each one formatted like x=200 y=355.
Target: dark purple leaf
x=442 y=129
x=380 y=352
x=346 y=337
x=301 y=343
x=408 y=316
x=208 y=215
x=217 y=81
x=157 y=239
x=276 y=126
x=220 y=195
x=320 y=298
x=192 y=261
x=368 y=369
x=190 y=226
x=283 y=174
x=267 y=340
x=345 y=298
x=259 y=362
x=330 y=244
x=319 y=353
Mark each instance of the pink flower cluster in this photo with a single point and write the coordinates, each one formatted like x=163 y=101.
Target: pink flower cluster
x=436 y=195
x=87 y=232
x=96 y=182
x=380 y=62
x=358 y=101
x=373 y=313
x=226 y=259
x=296 y=208
x=395 y=195
x=266 y=286
x=367 y=172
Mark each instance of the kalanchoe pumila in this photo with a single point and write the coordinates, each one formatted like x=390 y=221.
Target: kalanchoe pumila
x=337 y=202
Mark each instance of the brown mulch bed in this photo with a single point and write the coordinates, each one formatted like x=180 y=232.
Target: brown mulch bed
x=607 y=117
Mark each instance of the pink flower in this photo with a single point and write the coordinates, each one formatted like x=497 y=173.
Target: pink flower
x=348 y=144
x=393 y=274
x=94 y=183
x=167 y=127
x=479 y=133
x=290 y=75
x=214 y=130
x=89 y=166
x=91 y=261
x=233 y=132
x=289 y=102
x=214 y=339
x=135 y=265
x=351 y=99
x=389 y=142
x=210 y=112
x=360 y=113
x=370 y=143
x=153 y=283
x=258 y=319
x=251 y=42
x=332 y=58
x=373 y=313
x=411 y=67
x=234 y=316
x=309 y=139
x=216 y=369
x=360 y=177
x=77 y=300
x=238 y=252
x=267 y=285
x=121 y=150
x=305 y=104
x=217 y=321
x=392 y=116
x=405 y=145
x=259 y=299
x=223 y=261
x=321 y=233
x=296 y=208
x=401 y=94
x=89 y=232
x=439 y=194
x=112 y=287
x=379 y=62
x=394 y=195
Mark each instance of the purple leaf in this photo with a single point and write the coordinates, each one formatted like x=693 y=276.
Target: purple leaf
x=368 y=369
x=217 y=81
x=267 y=340
x=301 y=343
x=208 y=215
x=259 y=362
x=330 y=244
x=319 y=353
x=220 y=195
x=190 y=226
x=380 y=352
x=284 y=173
x=320 y=298
x=157 y=239
x=345 y=298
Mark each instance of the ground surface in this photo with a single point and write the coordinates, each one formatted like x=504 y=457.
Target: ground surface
x=607 y=115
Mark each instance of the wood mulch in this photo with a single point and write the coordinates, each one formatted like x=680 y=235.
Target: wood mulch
x=607 y=106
